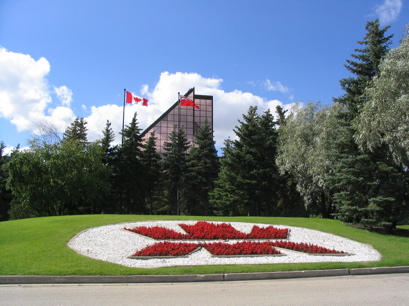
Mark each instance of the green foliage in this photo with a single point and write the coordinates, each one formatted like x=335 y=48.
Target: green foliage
x=367 y=184
x=202 y=171
x=384 y=117
x=364 y=67
x=5 y=195
x=248 y=177
x=107 y=139
x=57 y=179
x=174 y=166
x=151 y=160
x=130 y=172
x=77 y=131
x=305 y=153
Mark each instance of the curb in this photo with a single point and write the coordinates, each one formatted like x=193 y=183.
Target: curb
x=117 y=279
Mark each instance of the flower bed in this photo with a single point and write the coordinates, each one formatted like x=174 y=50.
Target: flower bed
x=167 y=249
x=244 y=248
x=305 y=248
x=241 y=248
x=158 y=232
x=206 y=230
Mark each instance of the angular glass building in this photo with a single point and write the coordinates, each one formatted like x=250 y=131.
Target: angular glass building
x=191 y=119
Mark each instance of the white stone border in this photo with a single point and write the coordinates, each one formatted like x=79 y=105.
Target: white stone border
x=114 y=244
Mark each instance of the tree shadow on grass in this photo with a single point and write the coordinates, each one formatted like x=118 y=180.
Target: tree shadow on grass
x=401 y=232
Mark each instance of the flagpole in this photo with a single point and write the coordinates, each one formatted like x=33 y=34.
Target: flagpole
x=123 y=118
x=177 y=186
x=178 y=109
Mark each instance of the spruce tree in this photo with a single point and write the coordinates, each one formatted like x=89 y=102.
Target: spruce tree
x=151 y=160
x=110 y=159
x=248 y=178
x=77 y=131
x=359 y=176
x=202 y=171
x=364 y=67
x=130 y=171
x=174 y=167
x=108 y=138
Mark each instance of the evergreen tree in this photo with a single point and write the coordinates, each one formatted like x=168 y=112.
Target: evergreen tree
x=110 y=159
x=248 y=169
x=202 y=171
x=359 y=175
x=108 y=138
x=77 y=131
x=130 y=172
x=364 y=67
x=383 y=118
x=5 y=195
x=151 y=160
x=174 y=167
x=382 y=129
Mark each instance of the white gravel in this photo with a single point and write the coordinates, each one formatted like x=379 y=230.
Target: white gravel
x=114 y=244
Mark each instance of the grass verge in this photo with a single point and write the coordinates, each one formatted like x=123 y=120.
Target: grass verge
x=38 y=246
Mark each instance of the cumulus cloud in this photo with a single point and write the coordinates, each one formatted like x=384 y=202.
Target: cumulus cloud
x=388 y=11
x=64 y=94
x=229 y=107
x=26 y=99
x=25 y=96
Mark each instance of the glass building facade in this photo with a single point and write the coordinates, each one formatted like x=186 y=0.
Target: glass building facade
x=189 y=118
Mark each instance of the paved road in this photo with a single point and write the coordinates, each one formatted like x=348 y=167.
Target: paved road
x=380 y=289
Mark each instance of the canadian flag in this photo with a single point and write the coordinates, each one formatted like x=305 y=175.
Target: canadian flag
x=184 y=101
x=131 y=98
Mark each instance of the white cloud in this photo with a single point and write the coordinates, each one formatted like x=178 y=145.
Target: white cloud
x=388 y=11
x=25 y=94
x=64 y=94
x=229 y=107
x=276 y=86
x=25 y=99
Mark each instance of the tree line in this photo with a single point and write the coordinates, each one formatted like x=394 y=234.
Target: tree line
x=348 y=160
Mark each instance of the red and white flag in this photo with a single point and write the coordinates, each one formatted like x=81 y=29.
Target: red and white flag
x=184 y=101
x=131 y=98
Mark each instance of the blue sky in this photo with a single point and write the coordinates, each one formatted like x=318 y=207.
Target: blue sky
x=65 y=59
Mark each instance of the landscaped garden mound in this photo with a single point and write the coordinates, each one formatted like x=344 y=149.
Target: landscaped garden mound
x=188 y=243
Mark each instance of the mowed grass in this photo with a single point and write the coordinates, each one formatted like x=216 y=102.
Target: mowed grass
x=38 y=246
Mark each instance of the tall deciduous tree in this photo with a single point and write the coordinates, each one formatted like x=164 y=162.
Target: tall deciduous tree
x=57 y=179
x=202 y=171
x=384 y=117
x=304 y=153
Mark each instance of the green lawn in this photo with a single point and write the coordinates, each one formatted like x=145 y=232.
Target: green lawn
x=38 y=246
